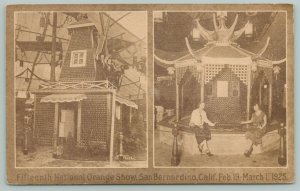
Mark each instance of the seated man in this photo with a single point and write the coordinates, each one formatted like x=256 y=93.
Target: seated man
x=202 y=133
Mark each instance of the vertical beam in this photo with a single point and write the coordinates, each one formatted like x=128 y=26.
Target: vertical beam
x=112 y=129
x=55 y=131
x=259 y=91
x=177 y=100
x=130 y=116
x=53 y=51
x=121 y=132
x=121 y=145
x=202 y=86
x=181 y=100
x=248 y=90
x=34 y=118
x=79 y=123
x=270 y=99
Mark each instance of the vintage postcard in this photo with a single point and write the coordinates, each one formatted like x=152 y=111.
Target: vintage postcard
x=150 y=94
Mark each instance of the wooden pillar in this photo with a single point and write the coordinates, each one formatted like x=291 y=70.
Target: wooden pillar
x=130 y=116
x=202 y=86
x=55 y=130
x=248 y=90
x=259 y=91
x=34 y=134
x=79 y=123
x=181 y=100
x=112 y=128
x=177 y=102
x=121 y=145
x=270 y=99
x=53 y=50
x=177 y=98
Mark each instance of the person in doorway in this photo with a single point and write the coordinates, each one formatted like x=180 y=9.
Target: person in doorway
x=202 y=133
x=257 y=129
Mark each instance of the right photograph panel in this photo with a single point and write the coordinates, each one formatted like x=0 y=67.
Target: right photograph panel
x=220 y=89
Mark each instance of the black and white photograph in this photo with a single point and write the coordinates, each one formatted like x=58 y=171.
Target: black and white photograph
x=150 y=94
x=80 y=89
x=220 y=89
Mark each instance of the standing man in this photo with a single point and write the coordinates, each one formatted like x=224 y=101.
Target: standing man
x=198 y=118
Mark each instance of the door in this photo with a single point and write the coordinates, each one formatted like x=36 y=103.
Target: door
x=67 y=123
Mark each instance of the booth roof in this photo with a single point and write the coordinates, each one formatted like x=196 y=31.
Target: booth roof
x=210 y=50
x=60 y=98
x=215 y=51
x=126 y=102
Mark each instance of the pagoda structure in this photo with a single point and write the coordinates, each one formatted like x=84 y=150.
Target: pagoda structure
x=224 y=72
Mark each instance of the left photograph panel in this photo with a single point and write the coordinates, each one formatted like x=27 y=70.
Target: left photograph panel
x=80 y=89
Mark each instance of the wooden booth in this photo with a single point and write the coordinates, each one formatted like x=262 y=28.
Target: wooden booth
x=222 y=74
x=83 y=105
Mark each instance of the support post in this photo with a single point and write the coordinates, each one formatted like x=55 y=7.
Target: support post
x=270 y=100
x=177 y=100
x=259 y=91
x=112 y=129
x=175 y=157
x=121 y=146
x=282 y=146
x=248 y=90
x=26 y=127
x=28 y=122
x=202 y=86
x=79 y=123
x=53 y=51
x=55 y=131
x=181 y=100
x=130 y=116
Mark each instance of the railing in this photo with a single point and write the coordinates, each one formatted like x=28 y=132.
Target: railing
x=104 y=84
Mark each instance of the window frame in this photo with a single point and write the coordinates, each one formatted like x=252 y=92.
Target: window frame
x=235 y=85
x=222 y=85
x=83 y=64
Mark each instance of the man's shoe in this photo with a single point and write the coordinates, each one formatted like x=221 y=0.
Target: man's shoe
x=247 y=153
x=250 y=150
x=200 y=149
x=210 y=154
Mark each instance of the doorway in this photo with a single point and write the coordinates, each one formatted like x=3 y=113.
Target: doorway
x=67 y=120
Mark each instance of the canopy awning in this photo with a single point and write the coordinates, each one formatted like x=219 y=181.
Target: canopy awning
x=60 y=98
x=126 y=102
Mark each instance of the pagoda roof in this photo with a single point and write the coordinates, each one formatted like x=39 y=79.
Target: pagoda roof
x=225 y=52
x=221 y=47
x=214 y=51
x=220 y=54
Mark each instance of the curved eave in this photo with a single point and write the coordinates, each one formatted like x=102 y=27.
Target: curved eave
x=212 y=54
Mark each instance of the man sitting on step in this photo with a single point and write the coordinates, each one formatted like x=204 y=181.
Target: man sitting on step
x=202 y=133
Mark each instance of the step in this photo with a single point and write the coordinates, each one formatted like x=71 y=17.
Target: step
x=221 y=143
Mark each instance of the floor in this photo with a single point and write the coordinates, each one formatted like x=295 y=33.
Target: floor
x=42 y=157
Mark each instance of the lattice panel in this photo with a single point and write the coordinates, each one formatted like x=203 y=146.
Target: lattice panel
x=94 y=122
x=240 y=71
x=181 y=71
x=211 y=70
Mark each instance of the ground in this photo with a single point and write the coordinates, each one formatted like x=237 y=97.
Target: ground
x=42 y=157
x=163 y=153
